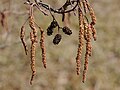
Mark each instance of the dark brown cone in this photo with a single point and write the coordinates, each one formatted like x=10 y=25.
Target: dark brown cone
x=67 y=30
x=49 y=31
x=57 y=39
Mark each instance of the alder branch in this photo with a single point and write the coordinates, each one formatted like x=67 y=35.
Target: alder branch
x=59 y=11
x=39 y=4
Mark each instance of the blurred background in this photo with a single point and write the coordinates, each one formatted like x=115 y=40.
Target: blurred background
x=15 y=71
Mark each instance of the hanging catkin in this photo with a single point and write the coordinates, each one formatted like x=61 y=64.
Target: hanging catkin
x=88 y=52
x=22 y=36
x=92 y=14
x=84 y=6
x=42 y=45
x=81 y=40
x=33 y=37
x=33 y=46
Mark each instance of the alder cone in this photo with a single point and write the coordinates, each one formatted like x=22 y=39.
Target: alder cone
x=54 y=24
x=67 y=30
x=49 y=31
x=57 y=39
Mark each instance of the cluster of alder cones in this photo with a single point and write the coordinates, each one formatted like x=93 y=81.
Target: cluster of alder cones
x=86 y=31
x=58 y=36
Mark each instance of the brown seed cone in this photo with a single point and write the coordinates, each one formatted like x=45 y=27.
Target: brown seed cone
x=32 y=56
x=22 y=37
x=81 y=40
x=42 y=45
